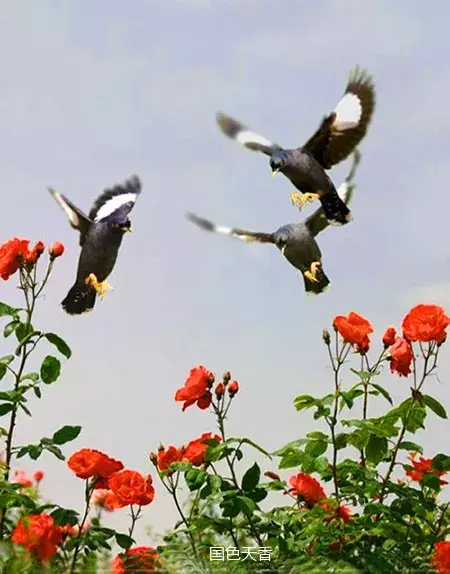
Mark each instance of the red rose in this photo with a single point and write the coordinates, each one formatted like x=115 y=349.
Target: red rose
x=38 y=475
x=167 y=456
x=426 y=323
x=33 y=255
x=87 y=463
x=306 y=487
x=56 y=250
x=12 y=255
x=195 y=450
x=401 y=356
x=363 y=347
x=129 y=486
x=142 y=559
x=39 y=534
x=353 y=329
x=422 y=467
x=196 y=388
x=233 y=388
x=389 y=337
x=441 y=557
x=149 y=493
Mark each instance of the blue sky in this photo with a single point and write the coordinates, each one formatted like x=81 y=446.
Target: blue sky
x=93 y=92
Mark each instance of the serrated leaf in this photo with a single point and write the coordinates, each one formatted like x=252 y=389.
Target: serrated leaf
x=435 y=406
x=251 y=478
x=376 y=449
x=124 y=541
x=59 y=343
x=411 y=446
x=66 y=434
x=383 y=392
x=7 y=310
x=50 y=369
x=6 y=408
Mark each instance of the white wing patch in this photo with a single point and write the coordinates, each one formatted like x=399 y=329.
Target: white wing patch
x=115 y=203
x=248 y=137
x=343 y=191
x=348 y=112
x=71 y=214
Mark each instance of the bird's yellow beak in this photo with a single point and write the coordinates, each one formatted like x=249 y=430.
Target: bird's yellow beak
x=129 y=229
x=275 y=171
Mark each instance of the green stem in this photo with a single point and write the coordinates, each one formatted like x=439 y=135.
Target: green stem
x=87 y=497
x=172 y=489
x=134 y=518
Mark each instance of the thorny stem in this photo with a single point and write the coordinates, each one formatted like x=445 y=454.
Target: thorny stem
x=426 y=372
x=87 y=497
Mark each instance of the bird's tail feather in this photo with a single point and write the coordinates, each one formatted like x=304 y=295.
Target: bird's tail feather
x=318 y=286
x=79 y=299
x=335 y=210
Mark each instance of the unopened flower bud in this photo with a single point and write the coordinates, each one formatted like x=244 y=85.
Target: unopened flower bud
x=326 y=337
x=211 y=379
x=153 y=458
x=220 y=389
x=389 y=337
x=226 y=377
x=56 y=250
x=272 y=475
x=233 y=388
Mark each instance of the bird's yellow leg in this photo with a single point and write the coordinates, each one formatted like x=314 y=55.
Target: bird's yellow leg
x=311 y=273
x=299 y=199
x=101 y=288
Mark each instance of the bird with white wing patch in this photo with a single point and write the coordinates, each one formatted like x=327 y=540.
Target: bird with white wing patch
x=101 y=234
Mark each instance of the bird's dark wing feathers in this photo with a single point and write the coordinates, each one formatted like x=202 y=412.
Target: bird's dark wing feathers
x=120 y=198
x=77 y=219
x=317 y=222
x=245 y=136
x=242 y=234
x=343 y=129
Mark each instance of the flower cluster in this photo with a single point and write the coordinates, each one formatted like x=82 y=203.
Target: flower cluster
x=422 y=467
x=16 y=253
x=441 y=557
x=39 y=534
x=140 y=559
x=21 y=477
x=193 y=452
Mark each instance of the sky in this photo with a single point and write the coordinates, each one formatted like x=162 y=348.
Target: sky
x=93 y=92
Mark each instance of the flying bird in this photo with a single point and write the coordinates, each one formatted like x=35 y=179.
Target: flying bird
x=101 y=234
x=338 y=135
x=296 y=241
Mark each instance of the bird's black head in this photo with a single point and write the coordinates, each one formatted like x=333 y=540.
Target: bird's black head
x=282 y=239
x=278 y=162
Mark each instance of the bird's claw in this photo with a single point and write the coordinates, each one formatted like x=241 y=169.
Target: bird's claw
x=312 y=272
x=101 y=288
x=299 y=199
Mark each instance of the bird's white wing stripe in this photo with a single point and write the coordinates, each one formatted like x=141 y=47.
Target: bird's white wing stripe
x=114 y=203
x=247 y=137
x=343 y=191
x=232 y=233
x=224 y=230
x=348 y=112
x=71 y=214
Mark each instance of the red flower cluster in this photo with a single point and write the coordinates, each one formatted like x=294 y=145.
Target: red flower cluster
x=89 y=463
x=425 y=323
x=143 y=559
x=422 y=467
x=196 y=388
x=22 y=478
x=39 y=534
x=441 y=557
x=355 y=330
x=130 y=487
x=307 y=487
x=194 y=452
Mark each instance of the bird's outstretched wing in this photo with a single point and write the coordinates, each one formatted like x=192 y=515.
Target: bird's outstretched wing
x=245 y=136
x=343 y=129
x=242 y=234
x=77 y=219
x=317 y=222
x=119 y=199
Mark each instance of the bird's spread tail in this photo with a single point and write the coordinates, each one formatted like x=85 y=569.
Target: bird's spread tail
x=334 y=209
x=318 y=284
x=80 y=298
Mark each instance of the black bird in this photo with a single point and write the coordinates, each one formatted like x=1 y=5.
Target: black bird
x=101 y=234
x=296 y=241
x=338 y=135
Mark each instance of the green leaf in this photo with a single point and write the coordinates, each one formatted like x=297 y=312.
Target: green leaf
x=435 y=406
x=253 y=444
x=257 y=494
x=59 y=343
x=412 y=446
x=291 y=459
x=383 y=392
x=376 y=448
x=317 y=435
x=432 y=481
x=246 y=505
x=341 y=440
x=54 y=450
x=316 y=448
x=364 y=375
x=195 y=478
x=30 y=377
x=303 y=402
x=7 y=359
x=251 y=478
x=24 y=332
x=124 y=541
x=5 y=408
x=3 y=370
x=34 y=451
x=346 y=399
x=66 y=434
x=37 y=392
x=7 y=310
x=63 y=516
x=214 y=482
x=10 y=328
x=416 y=418
x=50 y=369
x=441 y=462
x=230 y=507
